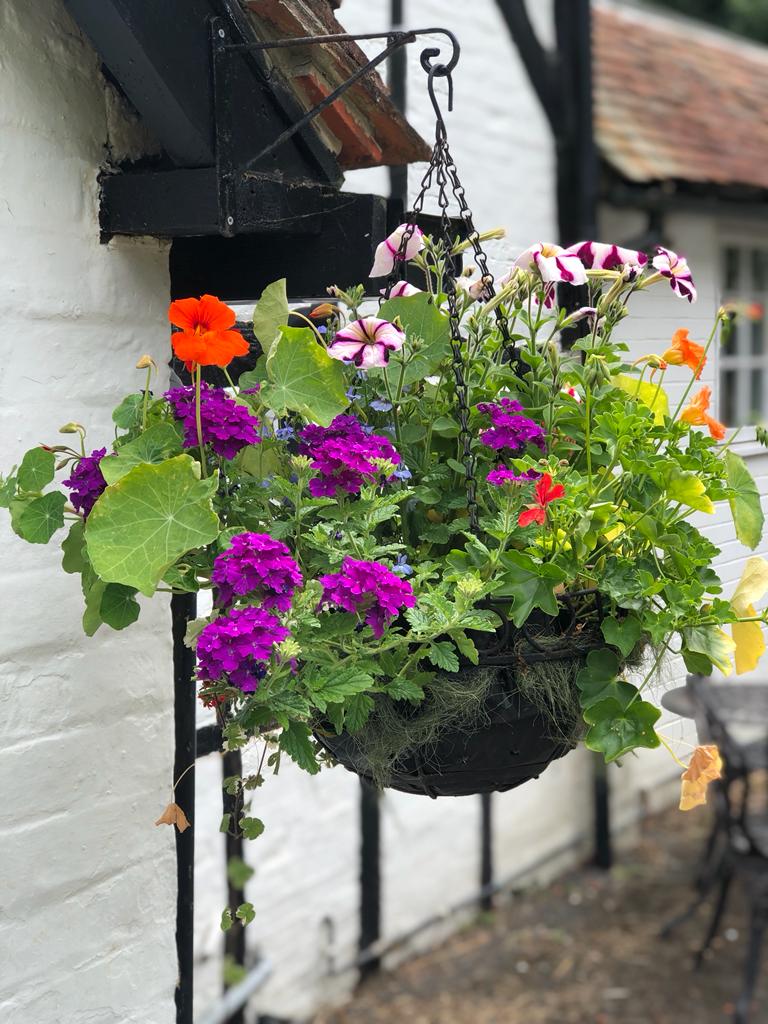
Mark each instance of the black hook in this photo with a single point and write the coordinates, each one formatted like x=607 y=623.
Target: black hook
x=440 y=71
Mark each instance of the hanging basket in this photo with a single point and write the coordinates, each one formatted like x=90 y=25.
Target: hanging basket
x=521 y=712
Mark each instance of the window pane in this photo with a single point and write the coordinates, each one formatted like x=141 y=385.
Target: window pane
x=759 y=269
x=756 y=388
x=728 y=398
x=758 y=337
x=730 y=269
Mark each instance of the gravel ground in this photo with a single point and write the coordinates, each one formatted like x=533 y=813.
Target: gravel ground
x=584 y=950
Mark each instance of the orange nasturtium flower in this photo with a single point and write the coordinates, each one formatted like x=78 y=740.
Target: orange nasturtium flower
x=696 y=414
x=684 y=352
x=205 y=338
x=543 y=494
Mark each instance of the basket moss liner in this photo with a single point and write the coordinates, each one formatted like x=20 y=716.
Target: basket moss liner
x=481 y=729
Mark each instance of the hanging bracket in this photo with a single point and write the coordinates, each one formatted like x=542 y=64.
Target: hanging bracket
x=223 y=48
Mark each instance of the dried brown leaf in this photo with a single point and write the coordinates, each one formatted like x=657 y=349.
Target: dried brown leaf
x=173 y=815
x=704 y=767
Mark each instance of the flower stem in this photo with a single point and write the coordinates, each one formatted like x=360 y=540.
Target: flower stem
x=700 y=364
x=146 y=398
x=199 y=420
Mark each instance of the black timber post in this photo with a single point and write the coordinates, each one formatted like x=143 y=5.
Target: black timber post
x=183 y=610
x=370 y=876
x=486 y=851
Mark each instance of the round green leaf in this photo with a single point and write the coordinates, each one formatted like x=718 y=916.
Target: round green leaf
x=748 y=517
x=37 y=520
x=36 y=470
x=155 y=445
x=304 y=378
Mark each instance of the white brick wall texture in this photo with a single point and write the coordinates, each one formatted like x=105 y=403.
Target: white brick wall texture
x=87 y=894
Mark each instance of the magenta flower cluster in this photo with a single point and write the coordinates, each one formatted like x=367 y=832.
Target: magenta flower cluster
x=86 y=482
x=226 y=425
x=256 y=564
x=238 y=646
x=510 y=430
x=502 y=475
x=342 y=454
x=369 y=589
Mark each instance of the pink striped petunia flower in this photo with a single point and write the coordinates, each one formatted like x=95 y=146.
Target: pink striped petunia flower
x=676 y=269
x=553 y=263
x=366 y=342
x=387 y=251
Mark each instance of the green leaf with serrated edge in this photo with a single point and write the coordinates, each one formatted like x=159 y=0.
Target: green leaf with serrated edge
x=616 y=730
x=271 y=313
x=297 y=745
x=419 y=318
x=238 y=872
x=622 y=633
x=357 y=710
x=119 y=607
x=245 y=913
x=153 y=446
x=713 y=643
x=335 y=714
x=530 y=585
x=466 y=646
x=651 y=395
x=127 y=415
x=404 y=689
x=226 y=920
x=442 y=655
x=748 y=517
x=304 y=378
x=335 y=688
x=142 y=524
x=251 y=828
x=688 y=489
x=37 y=520
x=74 y=558
x=36 y=470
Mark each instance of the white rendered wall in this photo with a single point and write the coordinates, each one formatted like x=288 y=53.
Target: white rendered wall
x=87 y=888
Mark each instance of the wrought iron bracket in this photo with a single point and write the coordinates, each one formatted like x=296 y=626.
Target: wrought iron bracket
x=229 y=176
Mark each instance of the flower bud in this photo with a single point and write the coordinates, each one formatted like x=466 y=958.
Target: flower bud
x=469 y=586
x=596 y=371
x=301 y=463
x=145 y=362
x=72 y=428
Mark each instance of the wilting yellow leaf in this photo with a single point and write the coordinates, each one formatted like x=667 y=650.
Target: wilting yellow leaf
x=752 y=585
x=652 y=395
x=750 y=643
x=705 y=766
x=173 y=815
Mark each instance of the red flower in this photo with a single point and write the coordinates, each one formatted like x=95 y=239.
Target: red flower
x=543 y=494
x=205 y=338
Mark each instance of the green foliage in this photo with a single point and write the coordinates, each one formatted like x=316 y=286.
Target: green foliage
x=36 y=470
x=154 y=446
x=303 y=378
x=270 y=315
x=37 y=520
x=748 y=517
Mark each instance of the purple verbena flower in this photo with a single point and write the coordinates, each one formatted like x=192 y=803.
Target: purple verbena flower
x=510 y=430
x=237 y=646
x=256 y=564
x=502 y=475
x=342 y=455
x=369 y=589
x=227 y=426
x=86 y=482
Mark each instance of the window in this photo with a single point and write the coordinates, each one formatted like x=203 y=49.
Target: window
x=743 y=358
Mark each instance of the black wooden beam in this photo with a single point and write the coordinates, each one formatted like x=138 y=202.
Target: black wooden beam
x=370 y=876
x=540 y=64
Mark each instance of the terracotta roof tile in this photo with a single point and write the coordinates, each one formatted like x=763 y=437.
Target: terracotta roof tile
x=677 y=101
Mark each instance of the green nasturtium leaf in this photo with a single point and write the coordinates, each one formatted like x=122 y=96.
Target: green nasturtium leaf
x=622 y=633
x=153 y=446
x=127 y=415
x=748 y=517
x=419 y=318
x=74 y=558
x=713 y=643
x=7 y=490
x=616 y=729
x=37 y=520
x=36 y=470
x=149 y=518
x=651 y=395
x=688 y=489
x=271 y=313
x=93 y=591
x=304 y=378
x=119 y=607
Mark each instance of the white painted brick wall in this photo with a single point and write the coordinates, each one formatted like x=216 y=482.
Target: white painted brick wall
x=87 y=894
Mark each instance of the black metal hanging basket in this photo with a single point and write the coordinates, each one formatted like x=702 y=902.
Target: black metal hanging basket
x=510 y=737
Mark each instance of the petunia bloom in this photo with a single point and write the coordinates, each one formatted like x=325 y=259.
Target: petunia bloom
x=603 y=256
x=369 y=589
x=697 y=415
x=206 y=337
x=256 y=564
x=684 y=352
x=544 y=493
x=367 y=342
x=553 y=263
x=388 y=251
x=401 y=290
x=675 y=268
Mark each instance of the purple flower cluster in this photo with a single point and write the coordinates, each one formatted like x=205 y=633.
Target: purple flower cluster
x=86 y=482
x=342 y=455
x=502 y=475
x=226 y=425
x=368 y=588
x=510 y=430
x=237 y=646
x=257 y=564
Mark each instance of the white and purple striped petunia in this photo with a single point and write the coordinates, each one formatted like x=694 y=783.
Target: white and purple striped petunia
x=401 y=290
x=366 y=343
x=676 y=269
x=603 y=256
x=553 y=263
x=387 y=251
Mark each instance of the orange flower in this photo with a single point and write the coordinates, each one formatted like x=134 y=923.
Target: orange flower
x=696 y=414
x=684 y=352
x=205 y=338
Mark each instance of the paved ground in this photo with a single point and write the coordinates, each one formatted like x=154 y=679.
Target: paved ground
x=582 y=951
